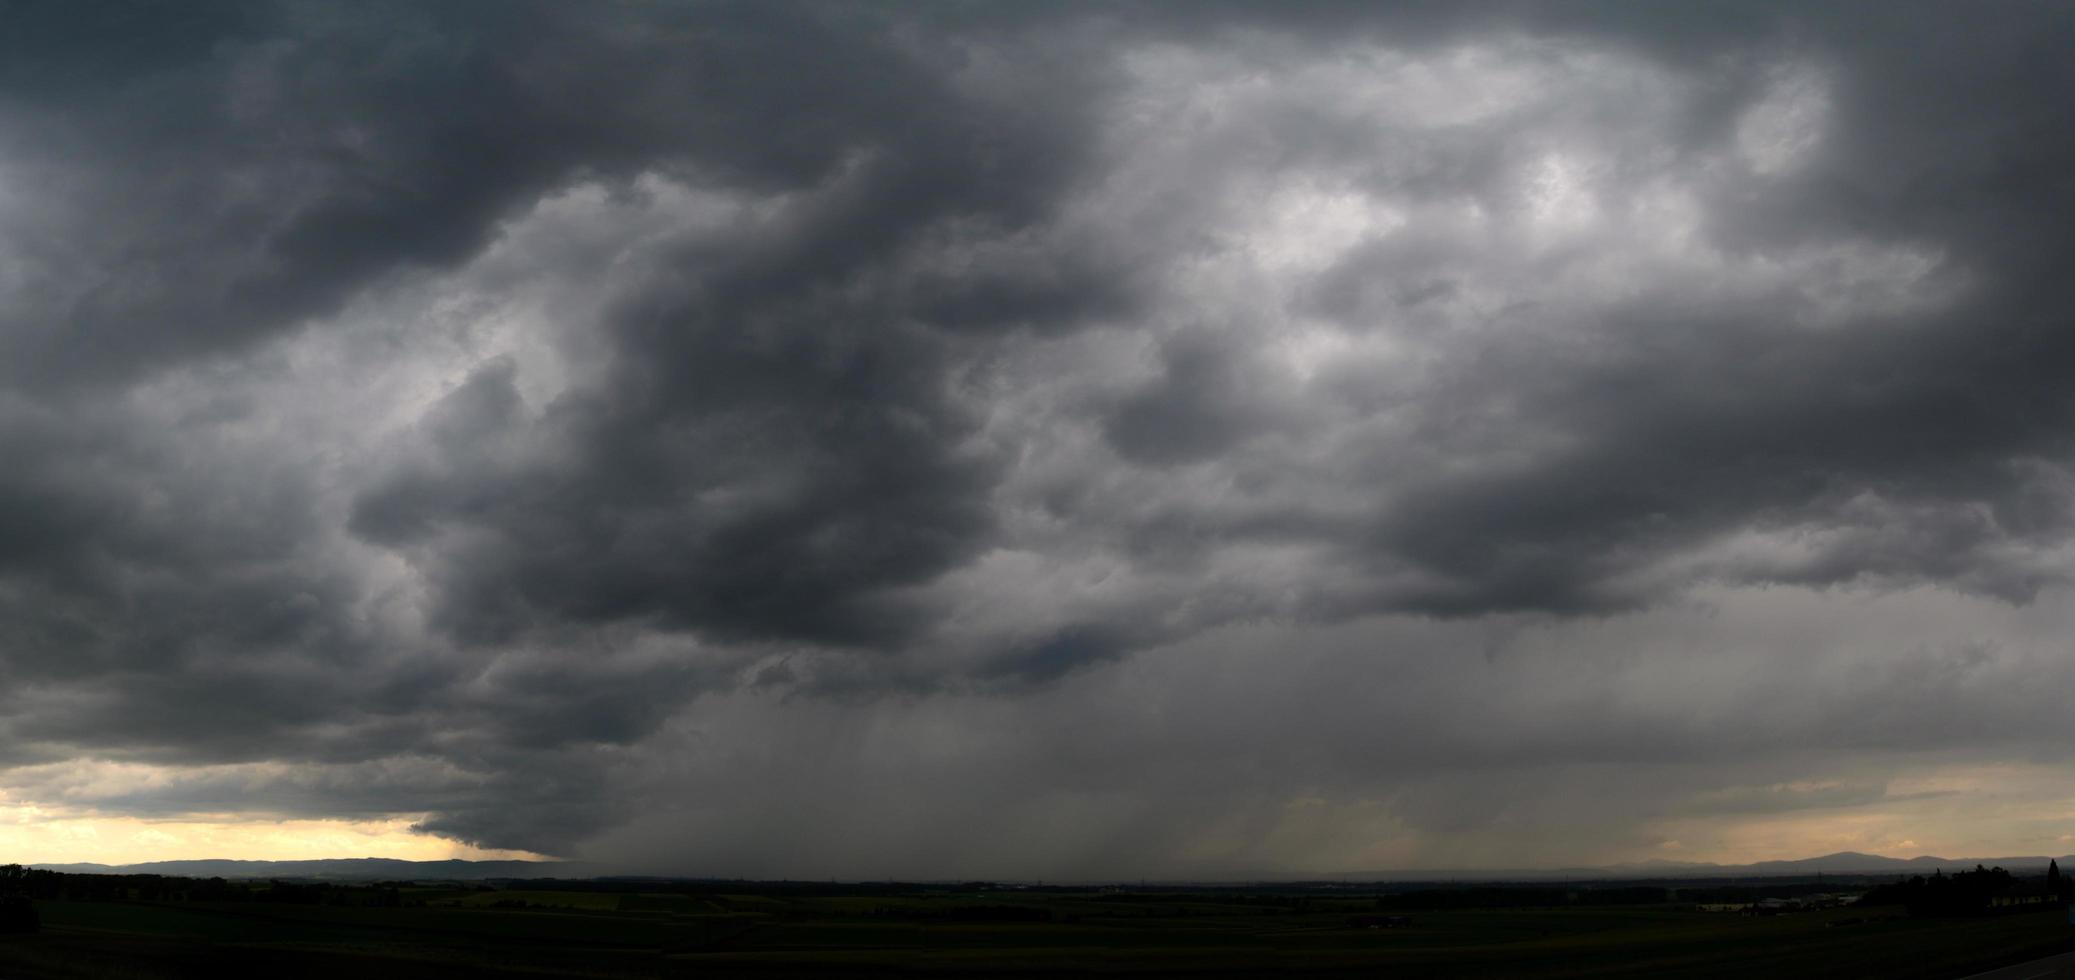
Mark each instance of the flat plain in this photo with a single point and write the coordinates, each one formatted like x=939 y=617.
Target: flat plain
x=710 y=931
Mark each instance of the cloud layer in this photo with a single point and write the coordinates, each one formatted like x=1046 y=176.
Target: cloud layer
x=1118 y=438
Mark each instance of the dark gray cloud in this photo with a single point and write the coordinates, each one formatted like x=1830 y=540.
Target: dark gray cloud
x=542 y=417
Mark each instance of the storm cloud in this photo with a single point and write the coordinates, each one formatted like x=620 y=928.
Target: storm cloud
x=1093 y=439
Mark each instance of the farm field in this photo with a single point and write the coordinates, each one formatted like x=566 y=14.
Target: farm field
x=459 y=932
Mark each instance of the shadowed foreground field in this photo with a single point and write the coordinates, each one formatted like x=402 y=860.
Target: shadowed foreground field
x=713 y=932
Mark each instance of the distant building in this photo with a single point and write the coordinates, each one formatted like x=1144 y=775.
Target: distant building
x=2023 y=893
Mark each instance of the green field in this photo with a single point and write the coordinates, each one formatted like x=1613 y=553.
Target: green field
x=460 y=932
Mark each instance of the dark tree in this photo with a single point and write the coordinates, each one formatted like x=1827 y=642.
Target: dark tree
x=17 y=914
x=1965 y=893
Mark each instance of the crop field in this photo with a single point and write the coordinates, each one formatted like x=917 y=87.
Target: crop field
x=534 y=931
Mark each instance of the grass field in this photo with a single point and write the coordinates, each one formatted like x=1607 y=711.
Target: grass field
x=470 y=933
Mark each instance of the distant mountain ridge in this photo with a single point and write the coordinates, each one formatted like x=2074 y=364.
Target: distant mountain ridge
x=352 y=869
x=1852 y=862
x=1842 y=862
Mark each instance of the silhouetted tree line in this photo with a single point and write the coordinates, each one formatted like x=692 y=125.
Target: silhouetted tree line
x=1591 y=895
x=17 y=910
x=36 y=883
x=1499 y=897
x=1968 y=892
x=17 y=914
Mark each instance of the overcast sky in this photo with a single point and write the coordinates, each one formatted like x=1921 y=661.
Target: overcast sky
x=1042 y=440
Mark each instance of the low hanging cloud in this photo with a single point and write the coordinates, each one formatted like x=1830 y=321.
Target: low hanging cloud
x=1181 y=438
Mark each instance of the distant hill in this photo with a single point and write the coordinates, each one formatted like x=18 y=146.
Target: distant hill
x=1855 y=862
x=342 y=869
x=1841 y=863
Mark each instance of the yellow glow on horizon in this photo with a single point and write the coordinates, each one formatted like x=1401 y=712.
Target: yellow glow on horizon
x=29 y=835
x=49 y=816
x=1976 y=810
